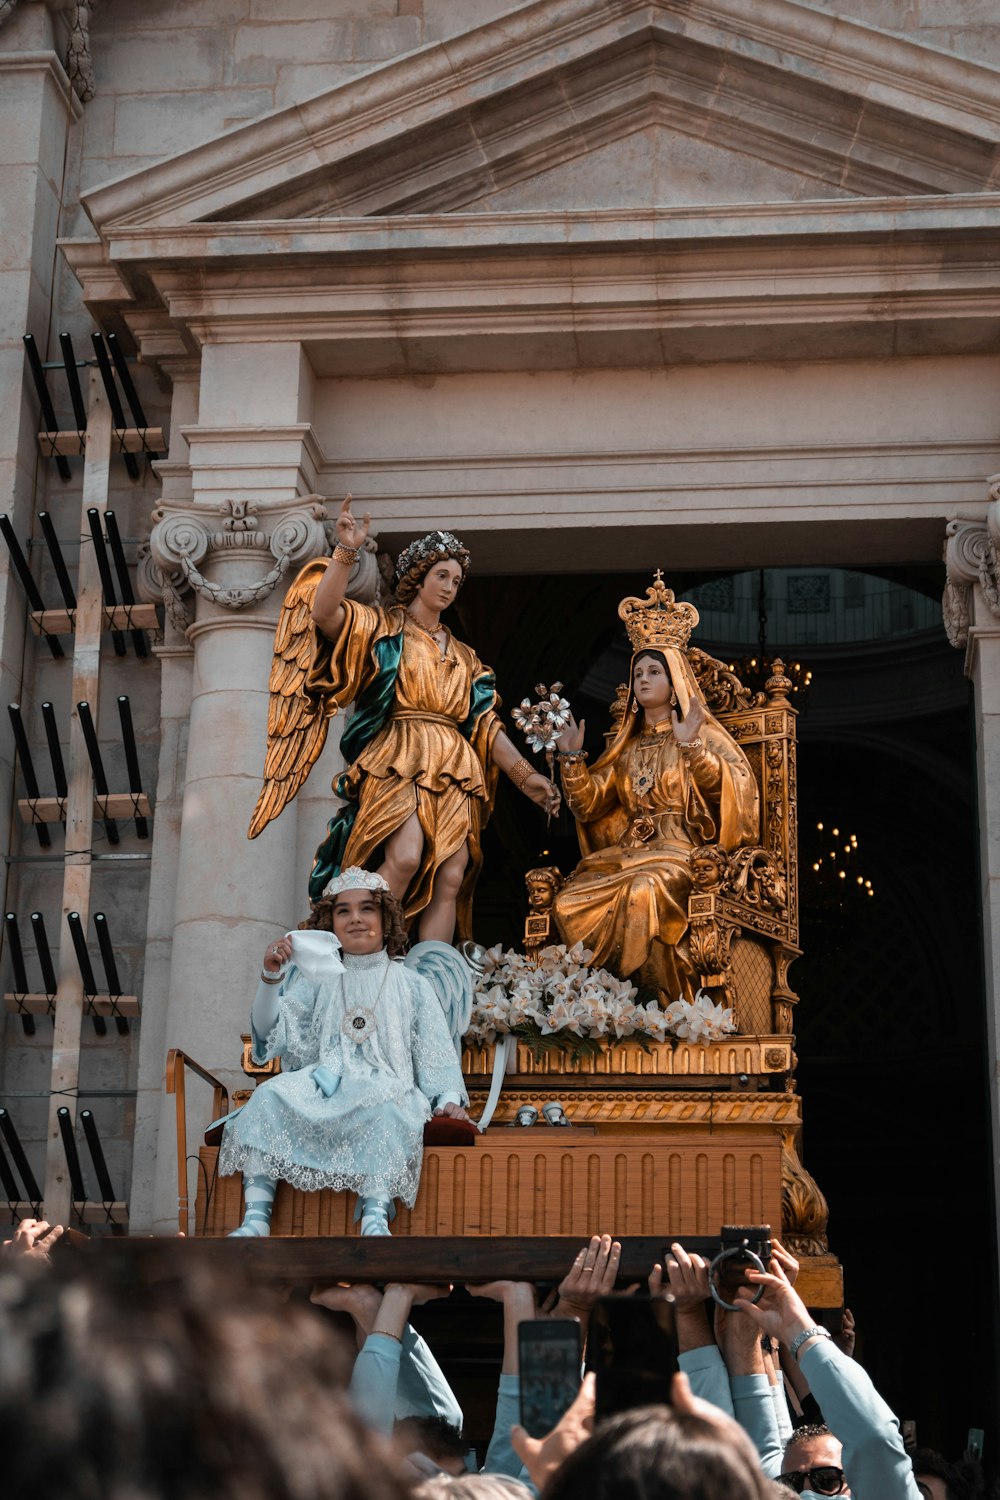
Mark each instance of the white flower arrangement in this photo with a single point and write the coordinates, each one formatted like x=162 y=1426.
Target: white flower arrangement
x=559 y=1001
x=699 y=1020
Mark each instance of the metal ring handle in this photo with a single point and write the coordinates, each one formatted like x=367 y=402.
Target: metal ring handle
x=746 y=1253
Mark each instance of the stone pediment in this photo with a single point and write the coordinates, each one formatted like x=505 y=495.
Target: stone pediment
x=578 y=104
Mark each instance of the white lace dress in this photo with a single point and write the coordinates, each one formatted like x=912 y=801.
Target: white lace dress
x=379 y=1029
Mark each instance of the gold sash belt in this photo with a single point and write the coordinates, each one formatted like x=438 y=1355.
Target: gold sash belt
x=424 y=717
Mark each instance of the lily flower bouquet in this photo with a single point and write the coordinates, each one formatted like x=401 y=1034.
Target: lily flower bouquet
x=559 y=1001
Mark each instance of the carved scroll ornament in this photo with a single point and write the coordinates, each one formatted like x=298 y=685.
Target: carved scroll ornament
x=185 y=540
x=972 y=555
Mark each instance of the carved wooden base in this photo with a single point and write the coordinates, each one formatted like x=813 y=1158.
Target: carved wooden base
x=544 y=1182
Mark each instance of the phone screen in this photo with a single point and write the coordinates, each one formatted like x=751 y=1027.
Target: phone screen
x=632 y=1347
x=549 y=1354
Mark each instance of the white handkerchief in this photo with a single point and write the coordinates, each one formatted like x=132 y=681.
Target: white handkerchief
x=317 y=954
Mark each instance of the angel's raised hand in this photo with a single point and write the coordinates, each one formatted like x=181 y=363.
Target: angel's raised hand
x=349 y=532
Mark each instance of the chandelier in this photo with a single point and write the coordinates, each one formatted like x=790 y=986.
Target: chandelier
x=754 y=669
x=836 y=865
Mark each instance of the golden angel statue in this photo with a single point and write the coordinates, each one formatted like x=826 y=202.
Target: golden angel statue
x=671 y=781
x=424 y=744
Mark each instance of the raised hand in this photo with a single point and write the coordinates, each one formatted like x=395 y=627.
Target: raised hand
x=277 y=955
x=593 y=1274
x=361 y=1301
x=349 y=533
x=543 y=1456
x=687 y=1279
x=572 y=736
x=688 y=728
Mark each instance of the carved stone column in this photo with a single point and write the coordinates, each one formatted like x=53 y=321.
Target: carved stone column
x=972 y=620
x=223 y=570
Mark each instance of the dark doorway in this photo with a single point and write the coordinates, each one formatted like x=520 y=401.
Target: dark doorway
x=891 y=1022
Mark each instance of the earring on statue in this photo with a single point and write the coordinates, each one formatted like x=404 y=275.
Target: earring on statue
x=635 y=706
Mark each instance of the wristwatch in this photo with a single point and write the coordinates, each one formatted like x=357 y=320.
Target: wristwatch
x=804 y=1336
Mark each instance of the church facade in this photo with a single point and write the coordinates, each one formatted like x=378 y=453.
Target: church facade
x=601 y=285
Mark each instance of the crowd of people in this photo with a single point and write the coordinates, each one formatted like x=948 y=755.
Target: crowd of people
x=151 y=1376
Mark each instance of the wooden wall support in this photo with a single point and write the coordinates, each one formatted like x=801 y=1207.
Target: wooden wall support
x=93 y=1005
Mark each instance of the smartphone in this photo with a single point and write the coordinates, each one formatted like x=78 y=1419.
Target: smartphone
x=549 y=1355
x=974 y=1444
x=632 y=1347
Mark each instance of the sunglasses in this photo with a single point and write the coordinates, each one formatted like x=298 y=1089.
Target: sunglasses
x=825 y=1479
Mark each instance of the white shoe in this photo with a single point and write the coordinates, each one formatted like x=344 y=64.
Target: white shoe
x=375 y=1217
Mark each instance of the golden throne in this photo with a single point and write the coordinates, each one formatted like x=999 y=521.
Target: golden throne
x=737 y=1092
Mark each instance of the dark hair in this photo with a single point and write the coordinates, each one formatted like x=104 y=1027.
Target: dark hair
x=434 y=1436
x=963 y=1481
x=656 y=656
x=808 y=1430
x=657 y=1451
x=144 y=1373
x=393 y=922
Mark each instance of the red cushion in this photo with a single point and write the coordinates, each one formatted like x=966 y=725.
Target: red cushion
x=442 y=1130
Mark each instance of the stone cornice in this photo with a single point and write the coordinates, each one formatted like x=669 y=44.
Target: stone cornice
x=976 y=215
x=43 y=62
x=380 y=110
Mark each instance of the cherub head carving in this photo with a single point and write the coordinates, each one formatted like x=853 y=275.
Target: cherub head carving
x=709 y=867
x=542 y=885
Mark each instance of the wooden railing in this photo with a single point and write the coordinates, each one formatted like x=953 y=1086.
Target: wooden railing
x=177 y=1061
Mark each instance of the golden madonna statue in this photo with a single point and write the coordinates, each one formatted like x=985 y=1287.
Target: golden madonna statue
x=671 y=781
x=424 y=743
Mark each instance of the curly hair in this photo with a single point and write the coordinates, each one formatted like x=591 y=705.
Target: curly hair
x=320 y=919
x=408 y=583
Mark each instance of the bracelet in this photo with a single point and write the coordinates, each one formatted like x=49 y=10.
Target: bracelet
x=572 y=757
x=519 y=773
x=696 y=744
x=346 y=555
x=806 y=1334
x=383 y=1333
x=273 y=978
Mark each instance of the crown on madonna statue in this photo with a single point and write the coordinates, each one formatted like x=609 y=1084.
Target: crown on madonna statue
x=354 y=879
x=658 y=621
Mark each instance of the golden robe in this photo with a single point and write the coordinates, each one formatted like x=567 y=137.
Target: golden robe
x=640 y=811
x=430 y=752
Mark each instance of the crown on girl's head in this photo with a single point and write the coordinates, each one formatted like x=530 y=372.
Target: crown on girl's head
x=658 y=622
x=353 y=879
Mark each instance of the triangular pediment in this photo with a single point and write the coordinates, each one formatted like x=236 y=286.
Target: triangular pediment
x=600 y=103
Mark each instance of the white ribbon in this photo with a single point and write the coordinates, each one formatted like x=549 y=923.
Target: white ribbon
x=501 y=1050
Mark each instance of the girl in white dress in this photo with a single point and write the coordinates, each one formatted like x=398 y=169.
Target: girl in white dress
x=367 y=1057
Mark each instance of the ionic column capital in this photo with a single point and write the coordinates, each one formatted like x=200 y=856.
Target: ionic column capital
x=972 y=557
x=190 y=544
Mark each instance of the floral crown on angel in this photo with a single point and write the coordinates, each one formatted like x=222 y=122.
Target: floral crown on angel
x=354 y=879
x=658 y=621
x=432 y=548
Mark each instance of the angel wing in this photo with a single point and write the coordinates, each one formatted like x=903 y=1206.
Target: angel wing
x=296 y=724
x=450 y=977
